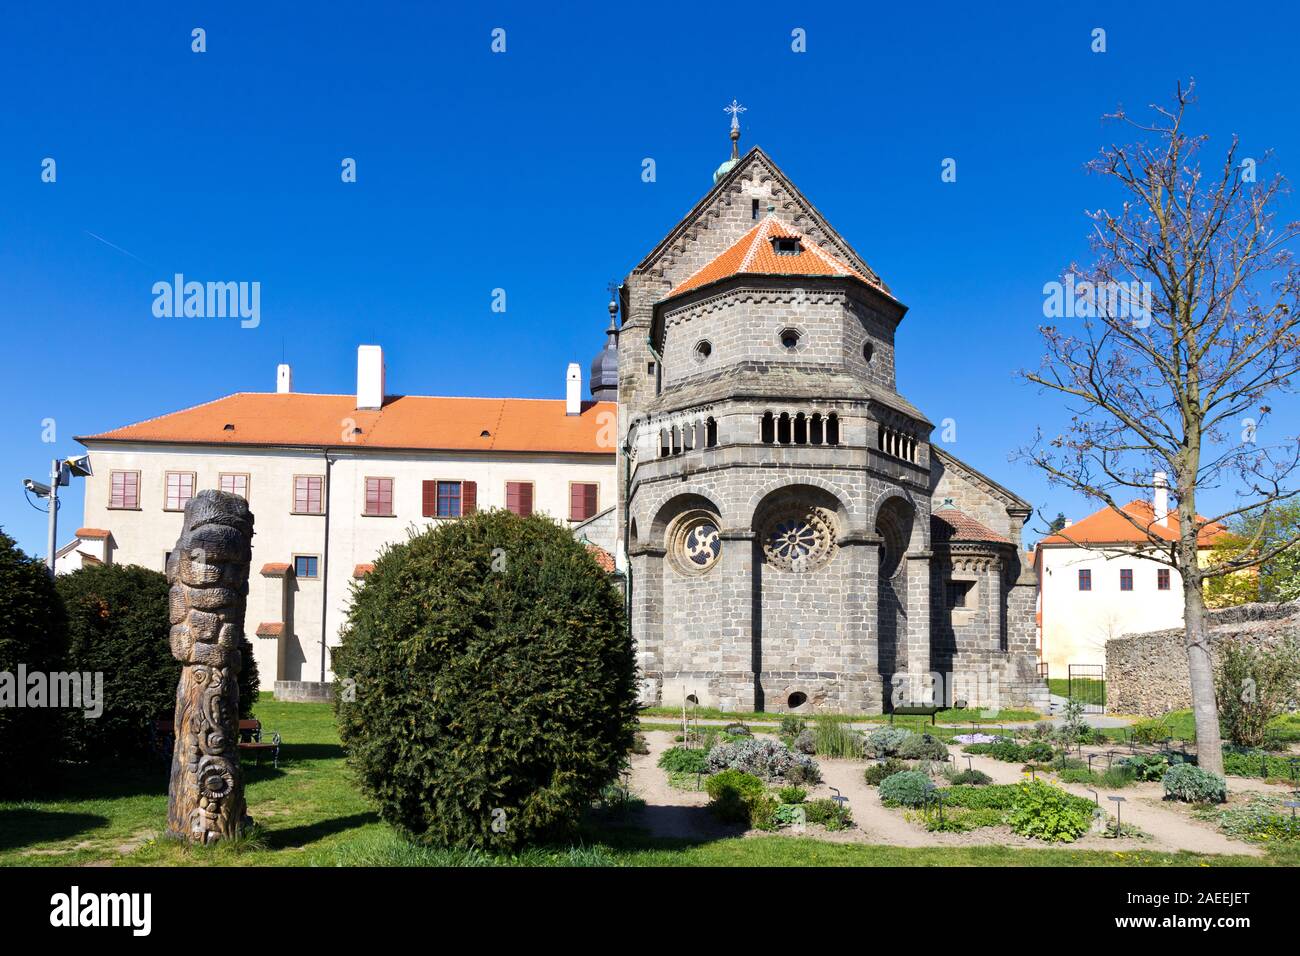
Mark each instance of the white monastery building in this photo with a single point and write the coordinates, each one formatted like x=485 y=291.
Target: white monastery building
x=333 y=479
x=1094 y=584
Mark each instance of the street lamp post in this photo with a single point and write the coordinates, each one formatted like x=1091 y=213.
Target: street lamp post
x=61 y=472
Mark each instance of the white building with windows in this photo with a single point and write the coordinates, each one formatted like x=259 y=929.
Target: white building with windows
x=332 y=479
x=1094 y=584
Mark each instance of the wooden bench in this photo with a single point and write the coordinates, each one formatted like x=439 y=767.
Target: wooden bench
x=907 y=710
x=250 y=739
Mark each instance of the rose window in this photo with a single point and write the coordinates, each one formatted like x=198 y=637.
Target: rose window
x=798 y=539
x=695 y=544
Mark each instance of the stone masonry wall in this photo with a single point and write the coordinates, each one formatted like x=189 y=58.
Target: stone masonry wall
x=1146 y=674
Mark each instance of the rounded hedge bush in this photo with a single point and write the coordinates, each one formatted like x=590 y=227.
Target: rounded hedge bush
x=118 y=626
x=1193 y=785
x=910 y=788
x=489 y=686
x=33 y=632
x=922 y=747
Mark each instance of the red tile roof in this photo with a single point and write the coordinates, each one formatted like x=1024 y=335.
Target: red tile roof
x=274 y=629
x=92 y=533
x=405 y=421
x=754 y=255
x=1109 y=527
x=275 y=570
x=948 y=524
x=603 y=557
x=361 y=570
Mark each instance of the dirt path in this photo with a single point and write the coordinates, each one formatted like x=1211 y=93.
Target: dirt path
x=1169 y=829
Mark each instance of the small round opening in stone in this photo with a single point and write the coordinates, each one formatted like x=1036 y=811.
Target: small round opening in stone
x=868 y=350
x=797 y=699
x=790 y=339
x=692 y=699
x=703 y=349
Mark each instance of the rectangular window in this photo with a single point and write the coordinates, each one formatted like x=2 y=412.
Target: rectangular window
x=519 y=497
x=307 y=494
x=379 y=496
x=1126 y=579
x=125 y=489
x=449 y=499
x=1162 y=579
x=1085 y=580
x=959 y=593
x=233 y=485
x=306 y=565
x=583 y=498
x=180 y=489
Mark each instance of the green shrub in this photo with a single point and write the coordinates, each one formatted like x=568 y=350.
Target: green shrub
x=33 y=632
x=922 y=747
x=684 y=760
x=119 y=625
x=762 y=812
x=984 y=797
x=639 y=744
x=1037 y=752
x=835 y=738
x=1194 y=785
x=907 y=789
x=731 y=794
x=972 y=778
x=764 y=758
x=495 y=682
x=805 y=742
x=879 y=771
x=1264 y=818
x=792 y=794
x=828 y=813
x=1044 y=812
x=1146 y=767
x=1150 y=731
x=885 y=741
x=1253 y=685
x=792 y=726
x=1242 y=762
x=958 y=820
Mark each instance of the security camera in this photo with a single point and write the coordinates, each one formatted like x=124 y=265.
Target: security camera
x=36 y=487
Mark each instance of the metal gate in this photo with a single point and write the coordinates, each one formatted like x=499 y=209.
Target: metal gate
x=1087 y=685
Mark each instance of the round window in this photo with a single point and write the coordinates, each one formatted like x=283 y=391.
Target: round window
x=703 y=349
x=789 y=339
x=868 y=350
x=695 y=543
x=799 y=538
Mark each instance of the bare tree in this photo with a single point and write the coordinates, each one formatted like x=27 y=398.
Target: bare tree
x=1181 y=330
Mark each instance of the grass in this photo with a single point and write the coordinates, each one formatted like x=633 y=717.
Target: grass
x=309 y=813
x=1093 y=690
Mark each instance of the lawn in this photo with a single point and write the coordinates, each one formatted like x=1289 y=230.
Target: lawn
x=951 y=716
x=309 y=813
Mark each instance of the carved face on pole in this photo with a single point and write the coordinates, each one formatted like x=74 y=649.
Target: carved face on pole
x=208 y=573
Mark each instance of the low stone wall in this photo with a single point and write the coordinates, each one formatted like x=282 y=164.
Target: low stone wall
x=303 y=691
x=1146 y=674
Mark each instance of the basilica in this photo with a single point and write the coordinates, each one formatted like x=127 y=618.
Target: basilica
x=793 y=538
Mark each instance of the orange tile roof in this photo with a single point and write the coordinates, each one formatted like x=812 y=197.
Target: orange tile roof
x=361 y=570
x=274 y=629
x=754 y=255
x=405 y=421
x=603 y=557
x=92 y=533
x=1108 y=527
x=275 y=570
x=948 y=524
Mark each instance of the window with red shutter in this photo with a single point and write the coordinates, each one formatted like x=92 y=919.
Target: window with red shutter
x=469 y=497
x=429 y=499
x=379 y=497
x=582 y=500
x=519 y=497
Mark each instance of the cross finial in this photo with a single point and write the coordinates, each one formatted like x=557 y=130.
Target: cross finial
x=735 y=109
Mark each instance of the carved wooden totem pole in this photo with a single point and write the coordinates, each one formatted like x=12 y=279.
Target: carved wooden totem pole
x=208 y=573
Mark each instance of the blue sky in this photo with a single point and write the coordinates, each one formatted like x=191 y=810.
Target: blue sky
x=522 y=171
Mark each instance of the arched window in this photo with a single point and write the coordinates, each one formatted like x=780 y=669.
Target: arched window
x=817 y=433
x=783 y=429
x=677 y=440
x=710 y=432
x=832 y=429
x=768 y=429
x=688 y=437
x=800 y=429
x=665 y=449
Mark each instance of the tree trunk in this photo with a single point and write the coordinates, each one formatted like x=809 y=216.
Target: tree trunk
x=208 y=572
x=1200 y=670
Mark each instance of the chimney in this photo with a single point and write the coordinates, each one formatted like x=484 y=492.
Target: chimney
x=283 y=379
x=370 y=377
x=1068 y=522
x=573 y=390
x=1160 y=501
